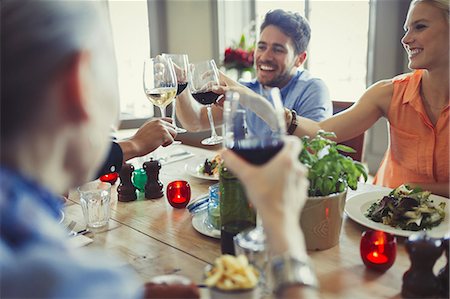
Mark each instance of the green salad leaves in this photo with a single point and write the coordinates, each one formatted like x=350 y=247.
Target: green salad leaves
x=408 y=209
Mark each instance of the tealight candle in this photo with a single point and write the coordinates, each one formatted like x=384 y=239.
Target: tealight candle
x=109 y=178
x=178 y=194
x=378 y=250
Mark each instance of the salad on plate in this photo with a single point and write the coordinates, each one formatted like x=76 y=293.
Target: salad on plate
x=408 y=209
x=211 y=166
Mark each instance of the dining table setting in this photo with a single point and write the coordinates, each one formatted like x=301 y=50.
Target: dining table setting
x=155 y=237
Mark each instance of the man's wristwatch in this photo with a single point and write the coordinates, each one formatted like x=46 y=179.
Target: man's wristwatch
x=289 y=271
x=294 y=123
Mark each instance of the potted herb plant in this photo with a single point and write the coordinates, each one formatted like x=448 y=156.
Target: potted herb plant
x=330 y=174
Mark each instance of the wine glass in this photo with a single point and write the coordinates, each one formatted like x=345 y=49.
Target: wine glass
x=203 y=77
x=160 y=83
x=256 y=138
x=181 y=67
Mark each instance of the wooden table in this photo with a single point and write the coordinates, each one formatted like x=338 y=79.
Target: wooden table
x=156 y=239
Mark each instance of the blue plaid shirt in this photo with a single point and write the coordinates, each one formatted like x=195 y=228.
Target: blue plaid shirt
x=35 y=260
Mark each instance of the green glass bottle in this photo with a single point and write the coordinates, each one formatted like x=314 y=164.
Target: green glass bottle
x=236 y=213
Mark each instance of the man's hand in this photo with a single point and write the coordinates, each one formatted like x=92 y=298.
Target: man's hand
x=149 y=137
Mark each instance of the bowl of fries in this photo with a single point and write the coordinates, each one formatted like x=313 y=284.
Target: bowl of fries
x=232 y=277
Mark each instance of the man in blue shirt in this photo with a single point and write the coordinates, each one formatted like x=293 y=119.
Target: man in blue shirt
x=279 y=55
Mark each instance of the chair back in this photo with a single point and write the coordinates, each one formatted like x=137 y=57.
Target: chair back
x=357 y=143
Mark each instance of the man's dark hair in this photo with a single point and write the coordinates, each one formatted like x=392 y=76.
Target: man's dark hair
x=292 y=24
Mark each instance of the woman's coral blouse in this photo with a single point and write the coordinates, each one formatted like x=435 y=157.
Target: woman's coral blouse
x=418 y=151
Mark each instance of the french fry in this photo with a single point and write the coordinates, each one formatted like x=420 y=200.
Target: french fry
x=232 y=273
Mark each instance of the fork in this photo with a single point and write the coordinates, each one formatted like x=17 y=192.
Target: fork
x=70 y=226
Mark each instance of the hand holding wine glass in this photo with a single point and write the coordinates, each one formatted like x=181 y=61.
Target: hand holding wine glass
x=256 y=145
x=181 y=67
x=203 y=77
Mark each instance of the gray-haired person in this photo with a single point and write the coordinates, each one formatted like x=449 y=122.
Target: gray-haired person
x=59 y=99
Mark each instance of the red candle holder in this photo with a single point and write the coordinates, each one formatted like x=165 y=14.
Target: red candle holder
x=378 y=250
x=110 y=178
x=178 y=194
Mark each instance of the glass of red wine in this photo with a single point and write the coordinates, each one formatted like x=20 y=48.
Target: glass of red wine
x=203 y=76
x=181 y=67
x=257 y=138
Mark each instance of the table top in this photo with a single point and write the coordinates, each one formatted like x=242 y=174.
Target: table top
x=156 y=239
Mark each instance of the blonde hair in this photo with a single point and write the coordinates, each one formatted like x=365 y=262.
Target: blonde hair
x=443 y=5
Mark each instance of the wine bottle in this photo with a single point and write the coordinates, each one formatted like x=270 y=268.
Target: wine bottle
x=236 y=214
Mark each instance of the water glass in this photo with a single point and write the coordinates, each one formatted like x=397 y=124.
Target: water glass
x=95 y=198
x=214 y=207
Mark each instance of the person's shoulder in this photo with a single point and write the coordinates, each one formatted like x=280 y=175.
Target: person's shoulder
x=382 y=88
x=305 y=75
x=249 y=83
x=405 y=78
x=306 y=79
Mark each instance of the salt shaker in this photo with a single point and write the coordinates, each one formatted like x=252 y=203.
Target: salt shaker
x=126 y=191
x=419 y=281
x=153 y=187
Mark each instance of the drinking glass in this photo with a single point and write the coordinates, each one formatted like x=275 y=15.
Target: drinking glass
x=181 y=67
x=160 y=83
x=95 y=198
x=203 y=77
x=256 y=140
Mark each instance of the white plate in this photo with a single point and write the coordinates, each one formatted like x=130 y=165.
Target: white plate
x=193 y=166
x=200 y=223
x=356 y=207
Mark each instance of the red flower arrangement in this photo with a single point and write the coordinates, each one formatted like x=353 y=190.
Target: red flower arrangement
x=239 y=57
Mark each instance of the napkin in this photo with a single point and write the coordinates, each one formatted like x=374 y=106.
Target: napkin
x=163 y=156
x=79 y=241
x=175 y=156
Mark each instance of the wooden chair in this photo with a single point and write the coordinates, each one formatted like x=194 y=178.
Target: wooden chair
x=357 y=143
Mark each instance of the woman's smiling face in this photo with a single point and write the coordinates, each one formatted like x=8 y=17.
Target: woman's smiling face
x=426 y=39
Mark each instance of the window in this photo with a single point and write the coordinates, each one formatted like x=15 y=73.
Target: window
x=337 y=51
x=129 y=23
x=338 y=47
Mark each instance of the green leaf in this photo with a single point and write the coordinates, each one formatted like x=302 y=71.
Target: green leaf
x=345 y=149
x=242 y=42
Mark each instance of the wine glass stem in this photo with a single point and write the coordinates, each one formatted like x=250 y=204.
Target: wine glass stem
x=163 y=111
x=258 y=220
x=211 y=121
x=174 y=104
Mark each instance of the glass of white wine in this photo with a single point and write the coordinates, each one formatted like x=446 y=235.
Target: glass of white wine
x=160 y=82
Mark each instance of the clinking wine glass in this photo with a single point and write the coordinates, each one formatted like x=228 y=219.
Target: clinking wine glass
x=160 y=83
x=203 y=77
x=181 y=67
x=256 y=138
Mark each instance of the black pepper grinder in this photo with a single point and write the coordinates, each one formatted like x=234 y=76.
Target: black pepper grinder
x=153 y=187
x=443 y=275
x=419 y=281
x=126 y=191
